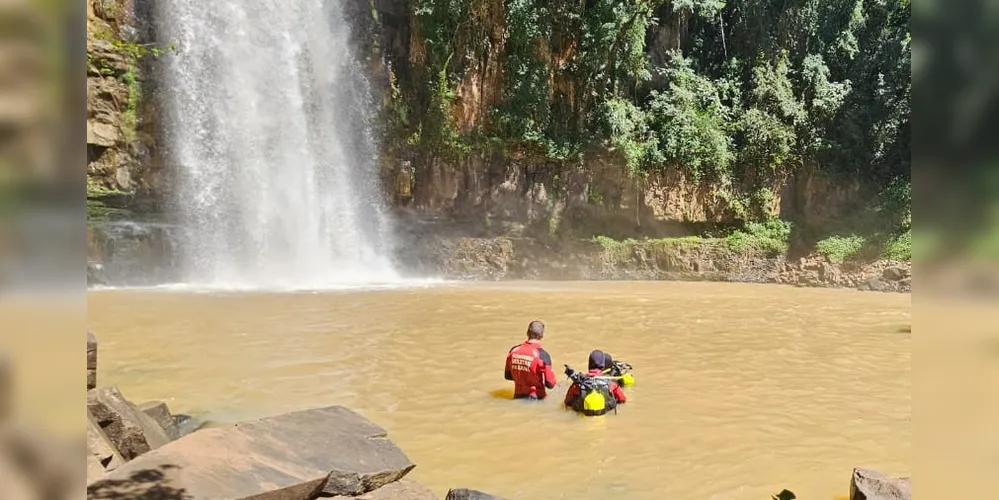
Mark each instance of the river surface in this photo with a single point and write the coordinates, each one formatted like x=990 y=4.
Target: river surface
x=742 y=390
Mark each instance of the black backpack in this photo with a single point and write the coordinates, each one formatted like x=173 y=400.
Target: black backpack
x=595 y=397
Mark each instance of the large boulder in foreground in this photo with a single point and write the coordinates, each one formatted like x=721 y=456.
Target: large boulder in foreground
x=295 y=456
x=131 y=431
x=467 y=494
x=868 y=484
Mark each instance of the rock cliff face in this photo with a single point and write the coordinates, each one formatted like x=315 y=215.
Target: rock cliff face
x=598 y=196
x=121 y=123
x=485 y=192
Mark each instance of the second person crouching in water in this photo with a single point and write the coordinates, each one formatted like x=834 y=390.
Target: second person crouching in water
x=591 y=394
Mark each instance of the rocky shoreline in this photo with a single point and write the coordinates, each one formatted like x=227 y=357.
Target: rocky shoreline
x=680 y=259
x=137 y=254
x=143 y=452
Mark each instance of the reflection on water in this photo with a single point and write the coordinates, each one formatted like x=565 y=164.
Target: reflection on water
x=502 y=393
x=742 y=390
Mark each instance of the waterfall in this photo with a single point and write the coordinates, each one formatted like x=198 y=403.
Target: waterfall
x=269 y=145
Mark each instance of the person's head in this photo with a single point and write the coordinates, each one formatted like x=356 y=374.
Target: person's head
x=535 y=330
x=598 y=360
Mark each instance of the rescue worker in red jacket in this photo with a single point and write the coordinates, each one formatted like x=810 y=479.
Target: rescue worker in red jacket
x=529 y=366
x=597 y=363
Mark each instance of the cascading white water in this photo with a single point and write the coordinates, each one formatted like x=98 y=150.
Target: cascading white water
x=267 y=132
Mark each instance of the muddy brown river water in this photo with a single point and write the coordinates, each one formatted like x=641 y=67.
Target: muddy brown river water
x=742 y=390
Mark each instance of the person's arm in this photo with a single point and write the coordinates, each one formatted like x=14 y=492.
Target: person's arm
x=571 y=395
x=507 y=374
x=618 y=393
x=547 y=372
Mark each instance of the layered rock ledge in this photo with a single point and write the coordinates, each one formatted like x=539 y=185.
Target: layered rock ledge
x=680 y=259
x=137 y=257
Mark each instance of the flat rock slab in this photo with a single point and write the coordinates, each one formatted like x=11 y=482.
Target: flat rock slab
x=294 y=456
x=869 y=484
x=467 y=494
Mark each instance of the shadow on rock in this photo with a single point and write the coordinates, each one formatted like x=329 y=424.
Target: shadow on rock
x=144 y=484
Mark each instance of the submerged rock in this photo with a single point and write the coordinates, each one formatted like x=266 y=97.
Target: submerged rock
x=868 y=484
x=784 y=494
x=300 y=455
x=207 y=424
x=186 y=424
x=467 y=494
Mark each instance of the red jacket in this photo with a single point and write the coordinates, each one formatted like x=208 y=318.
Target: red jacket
x=529 y=366
x=615 y=390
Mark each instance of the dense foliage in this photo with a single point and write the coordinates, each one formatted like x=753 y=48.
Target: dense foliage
x=745 y=89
